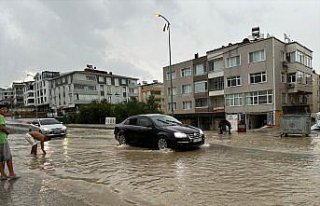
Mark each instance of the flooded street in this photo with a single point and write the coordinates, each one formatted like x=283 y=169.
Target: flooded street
x=254 y=168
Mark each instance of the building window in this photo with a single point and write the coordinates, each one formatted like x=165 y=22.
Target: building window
x=91 y=78
x=202 y=102
x=256 y=56
x=174 y=106
x=187 y=105
x=200 y=69
x=216 y=84
x=123 y=81
x=233 y=61
x=256 y=78
x=308 y=79
x=116 y=82
x=173 y=75
x=233 y=99
x=233 y=81
x=200 y=87
x=108 y=80
x=174 y=91
x=186 y=89
x=291 y=78
x=299 y=77
x=259 y=97
x=216 y=65
x=186 y=72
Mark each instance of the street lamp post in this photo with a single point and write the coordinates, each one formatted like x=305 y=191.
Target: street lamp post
x=167 y=27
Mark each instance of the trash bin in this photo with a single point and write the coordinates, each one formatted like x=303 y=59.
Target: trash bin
x=296 y=120
x=242 y=127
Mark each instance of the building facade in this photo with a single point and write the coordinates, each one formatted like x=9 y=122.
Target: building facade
x=248 y=81
x=29 y=94
x=42 y=86
x=70 y=90
x=6 y=96
x=17 y=88
x=155 y=89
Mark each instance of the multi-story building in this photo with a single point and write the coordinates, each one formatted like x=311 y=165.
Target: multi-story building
x=6 y=96
x=155 y=89
x=190 y=93
x=29 y=94
x=315 y=93
x=17 y=88
x=72 y=89
x=42 y=87
x=250 y=81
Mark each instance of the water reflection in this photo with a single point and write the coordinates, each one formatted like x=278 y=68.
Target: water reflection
x=243 y=169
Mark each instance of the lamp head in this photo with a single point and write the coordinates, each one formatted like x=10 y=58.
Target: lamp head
x=157 y=14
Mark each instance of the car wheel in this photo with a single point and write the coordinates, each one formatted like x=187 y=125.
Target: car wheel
x=121 y=139
x=162 y=143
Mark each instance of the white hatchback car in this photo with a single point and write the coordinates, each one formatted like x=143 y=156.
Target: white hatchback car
x=50 y=127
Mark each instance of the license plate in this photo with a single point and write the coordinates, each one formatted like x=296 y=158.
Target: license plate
x=197 y=140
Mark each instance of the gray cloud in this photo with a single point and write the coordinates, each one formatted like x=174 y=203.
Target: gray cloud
x=124 y=37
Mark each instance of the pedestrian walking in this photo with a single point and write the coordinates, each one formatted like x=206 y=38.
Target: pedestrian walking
x=38 y=137
x=223 y=124
x=5 y=153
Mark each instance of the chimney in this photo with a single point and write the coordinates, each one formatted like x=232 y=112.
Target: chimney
x=196 y=56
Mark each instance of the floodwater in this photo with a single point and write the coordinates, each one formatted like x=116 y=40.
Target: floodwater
x=254 y=168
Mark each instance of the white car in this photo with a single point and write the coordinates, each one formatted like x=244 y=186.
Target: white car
x=50 y=127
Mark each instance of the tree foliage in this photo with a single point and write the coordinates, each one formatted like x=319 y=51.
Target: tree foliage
x=95 y=112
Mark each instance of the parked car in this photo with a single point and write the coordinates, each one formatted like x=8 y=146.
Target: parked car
x=157 y=130
x=50 y=127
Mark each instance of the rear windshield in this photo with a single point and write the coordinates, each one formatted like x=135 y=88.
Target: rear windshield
x=49 y=121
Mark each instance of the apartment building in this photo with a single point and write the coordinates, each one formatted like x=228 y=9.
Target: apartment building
x=42 y=86
x=190 y=93
x=17 y=88
x=69 y=90
x=248 y=81
x=29 y=94
x=6 y=96
x=315 y=108
x=156 y=89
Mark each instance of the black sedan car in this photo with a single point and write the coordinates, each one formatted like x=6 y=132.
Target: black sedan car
x=157 y=130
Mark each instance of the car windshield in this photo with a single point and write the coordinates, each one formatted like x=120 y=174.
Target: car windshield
x=163 y=120
x=49 y=121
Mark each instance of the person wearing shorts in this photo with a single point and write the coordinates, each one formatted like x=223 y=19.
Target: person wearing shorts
x=5 y=153
x=39 y=137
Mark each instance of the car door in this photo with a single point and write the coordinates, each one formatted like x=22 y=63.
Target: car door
x=130 y=129
x=145 y=131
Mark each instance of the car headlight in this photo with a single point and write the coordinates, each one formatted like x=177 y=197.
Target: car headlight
x=200 y=131
x=64 y=128
x=180 y=135
x=45 y=129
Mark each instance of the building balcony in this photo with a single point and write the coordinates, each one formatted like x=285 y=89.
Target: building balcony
x=216 y=109
x=213 y=74
x=85 y=82
x=132 y=86
x=299 y=88
x=216 y=93
x=133 y=94
x=83 y=91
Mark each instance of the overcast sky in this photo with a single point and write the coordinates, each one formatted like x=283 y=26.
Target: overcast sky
x=124 y=36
